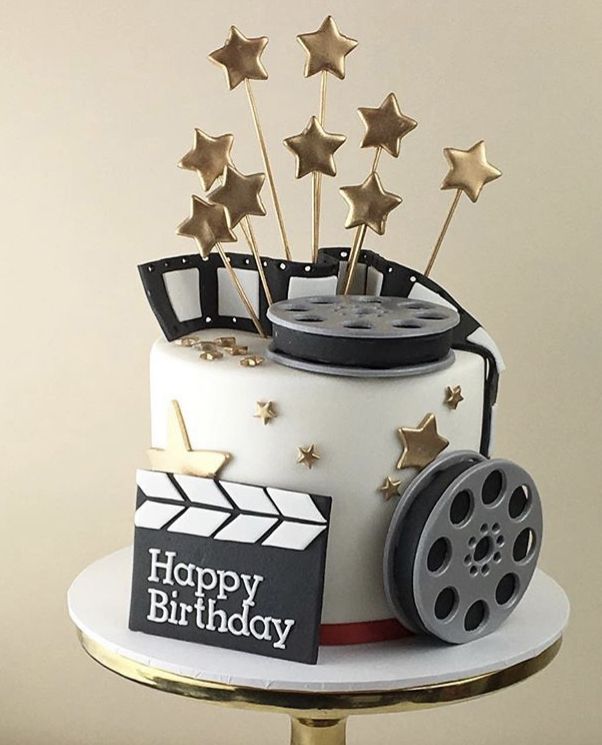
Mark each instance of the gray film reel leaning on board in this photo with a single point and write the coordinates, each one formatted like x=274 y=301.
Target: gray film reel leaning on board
x=464 y=540
x=462 y=546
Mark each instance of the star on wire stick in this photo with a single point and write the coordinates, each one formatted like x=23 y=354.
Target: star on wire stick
x=314 y=149
x=326 y=50
x=385 y=127
x=421 y=445
x=239 y=196
x=208 y=226
x=240 y=57
x=469 y=172
x=369 y=204
x=208 y=157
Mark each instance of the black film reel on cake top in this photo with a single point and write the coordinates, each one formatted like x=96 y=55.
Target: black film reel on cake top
x=362 y=334
x=462 y=546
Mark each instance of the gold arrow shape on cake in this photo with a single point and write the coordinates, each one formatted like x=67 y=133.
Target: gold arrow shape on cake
x=179 y=457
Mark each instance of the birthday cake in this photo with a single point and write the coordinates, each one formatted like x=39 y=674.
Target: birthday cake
x=321 y=431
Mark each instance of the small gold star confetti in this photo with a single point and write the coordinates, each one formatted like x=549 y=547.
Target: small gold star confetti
x=253 y=360
x=210 y=355
x=369 y=204
x=326 y=49
x=265 y=411
x=469 y=170
x=314 y=149
x=240 y=58
x=207 y=225
x=421 y=445
x=179 y=457
x=208 y=157
x=239 y=195
x=453 y=396
x=188 y=341
x=386 y=125
x=307 y=455
x=389 y=488
x=236 y=351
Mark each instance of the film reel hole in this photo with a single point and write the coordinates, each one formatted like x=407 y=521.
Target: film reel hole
x=524 y=545
x=446 y=603
x=506 y=589
x=519 y=501
x=483 y=549
x=475 y=616
x=461 y=508
x=438 y=555
x=492 y=487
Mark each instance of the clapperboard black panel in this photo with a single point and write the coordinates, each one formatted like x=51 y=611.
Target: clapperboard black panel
x=219 y=563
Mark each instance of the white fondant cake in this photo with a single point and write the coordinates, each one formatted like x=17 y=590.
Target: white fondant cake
x=352 y=422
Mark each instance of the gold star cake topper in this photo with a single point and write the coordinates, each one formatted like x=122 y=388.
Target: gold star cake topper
x=239 y=195
x=421 y=445
x=314 y=149
x=207 y=225
x=369 y=204
x=208 y=157
x=469 y=170
x=307 y=456
x=326 y=49
x=386 y=126
x=240 y=58
x=179 y=457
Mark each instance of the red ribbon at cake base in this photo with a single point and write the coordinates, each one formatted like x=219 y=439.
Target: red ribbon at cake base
x=364 y=632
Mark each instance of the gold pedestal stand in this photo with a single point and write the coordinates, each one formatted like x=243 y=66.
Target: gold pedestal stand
x=319 y=718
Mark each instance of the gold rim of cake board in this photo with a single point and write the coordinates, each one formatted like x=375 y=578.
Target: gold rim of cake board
x=319 y=704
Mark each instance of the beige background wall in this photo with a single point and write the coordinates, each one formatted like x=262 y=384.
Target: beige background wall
x=99 y=100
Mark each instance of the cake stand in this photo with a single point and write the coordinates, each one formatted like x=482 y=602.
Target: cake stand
x=394 y=676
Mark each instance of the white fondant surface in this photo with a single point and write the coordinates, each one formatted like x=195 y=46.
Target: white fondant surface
x=353 y=424
x=99 y=602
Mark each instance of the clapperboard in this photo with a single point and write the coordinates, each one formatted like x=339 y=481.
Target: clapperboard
x=231 y=565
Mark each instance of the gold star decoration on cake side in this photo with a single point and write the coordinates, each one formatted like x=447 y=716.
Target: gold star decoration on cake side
x=386 y=126
x=314 y=149
x=239 y=195
x=265 y=411
x=453 y=396
x=421 y=445
x=240 y=58
x=208 y=157
x=307 y=456
x=207 y=225
x=469 y=170
x=326 y=49
x=389 y=488
x=369 y=204
x=179 y=457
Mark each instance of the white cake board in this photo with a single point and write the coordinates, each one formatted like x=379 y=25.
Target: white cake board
x=99 y=606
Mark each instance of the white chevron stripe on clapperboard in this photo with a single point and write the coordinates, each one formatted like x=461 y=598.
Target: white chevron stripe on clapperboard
x=208 y=512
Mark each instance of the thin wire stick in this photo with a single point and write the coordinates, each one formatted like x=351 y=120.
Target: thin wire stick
x=358 y=242
x=439 y=242
x=268 y=168
x=248 y=229
x=245 y=232
x=241 y=292
x=317 y=177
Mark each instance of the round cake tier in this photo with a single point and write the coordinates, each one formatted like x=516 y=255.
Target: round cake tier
x=353 y=425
